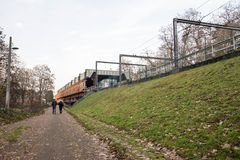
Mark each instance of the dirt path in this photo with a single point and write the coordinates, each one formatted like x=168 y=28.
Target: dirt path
x=53 y=137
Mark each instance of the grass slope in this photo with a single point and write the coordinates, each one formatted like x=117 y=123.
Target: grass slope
x=196 y=112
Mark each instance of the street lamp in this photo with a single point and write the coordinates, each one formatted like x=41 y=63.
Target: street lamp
x=9 y=73
x=15 y=48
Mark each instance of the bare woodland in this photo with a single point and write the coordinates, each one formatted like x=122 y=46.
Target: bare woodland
x=29 y=86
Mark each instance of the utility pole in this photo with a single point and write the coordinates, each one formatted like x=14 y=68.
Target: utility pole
x=205 y=44
x=96 y=76
x=120 y=70
x=7 y=104
x=175 y=41
x=8 y=74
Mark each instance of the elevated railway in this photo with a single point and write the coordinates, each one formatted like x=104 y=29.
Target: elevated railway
x=85 y=82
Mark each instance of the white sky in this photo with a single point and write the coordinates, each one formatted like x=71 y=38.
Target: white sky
x=70 y=35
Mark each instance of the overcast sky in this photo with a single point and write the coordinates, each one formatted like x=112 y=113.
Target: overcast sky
x=70 y=35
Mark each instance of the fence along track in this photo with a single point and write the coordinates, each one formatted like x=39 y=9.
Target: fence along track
x=208 y=53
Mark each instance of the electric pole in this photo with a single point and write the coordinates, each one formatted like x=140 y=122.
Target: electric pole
x=7 y=104
x=8 y=74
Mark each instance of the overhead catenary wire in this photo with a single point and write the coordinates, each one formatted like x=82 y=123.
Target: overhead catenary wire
x=200 y=6
x=145 y=42
x=206 y=15
x=153 y=37
x=145 y=48
x=215 y=9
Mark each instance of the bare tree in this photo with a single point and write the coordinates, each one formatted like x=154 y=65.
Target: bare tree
x=2 y=67
x=45 y=80
x=166 y=37
x=229 y=16
x=128 y=69
x=23 y=78
x=32 y=88
x=191 y=38
x=3 y=49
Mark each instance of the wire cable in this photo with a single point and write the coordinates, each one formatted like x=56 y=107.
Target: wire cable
x=206 y=15
x=145 y=48
x=142 y=44
x=202 y=4
x=215 y=10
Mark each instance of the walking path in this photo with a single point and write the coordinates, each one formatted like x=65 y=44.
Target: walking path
x=52 y=137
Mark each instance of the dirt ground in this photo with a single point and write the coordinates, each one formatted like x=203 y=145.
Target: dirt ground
x=52 y=137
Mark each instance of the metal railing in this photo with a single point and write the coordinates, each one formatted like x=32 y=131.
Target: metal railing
x=209 y=52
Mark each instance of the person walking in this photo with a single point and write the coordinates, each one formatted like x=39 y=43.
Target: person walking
x=54 y=105
x=60 y=105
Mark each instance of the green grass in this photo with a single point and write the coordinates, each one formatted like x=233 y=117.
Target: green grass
x=123 y=146
x=14 y=135
x=11 y=115
x=196 y=112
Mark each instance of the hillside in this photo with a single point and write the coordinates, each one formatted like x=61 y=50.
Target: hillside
x=196 y=112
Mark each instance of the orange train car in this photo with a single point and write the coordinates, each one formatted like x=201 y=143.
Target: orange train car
x=78 y=87
x=75 y=89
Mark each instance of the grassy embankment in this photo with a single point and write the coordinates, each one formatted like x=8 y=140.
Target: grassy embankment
x=196 y=112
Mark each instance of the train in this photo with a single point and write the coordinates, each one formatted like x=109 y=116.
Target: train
x=76 y=88
x=85 y=83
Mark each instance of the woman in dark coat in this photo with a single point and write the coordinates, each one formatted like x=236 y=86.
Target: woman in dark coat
x=60 y=104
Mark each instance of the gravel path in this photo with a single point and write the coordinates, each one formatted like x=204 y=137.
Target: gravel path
x=55 y=137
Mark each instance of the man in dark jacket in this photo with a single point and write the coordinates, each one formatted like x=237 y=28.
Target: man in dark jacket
x=54 y=104
x=60 y=104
